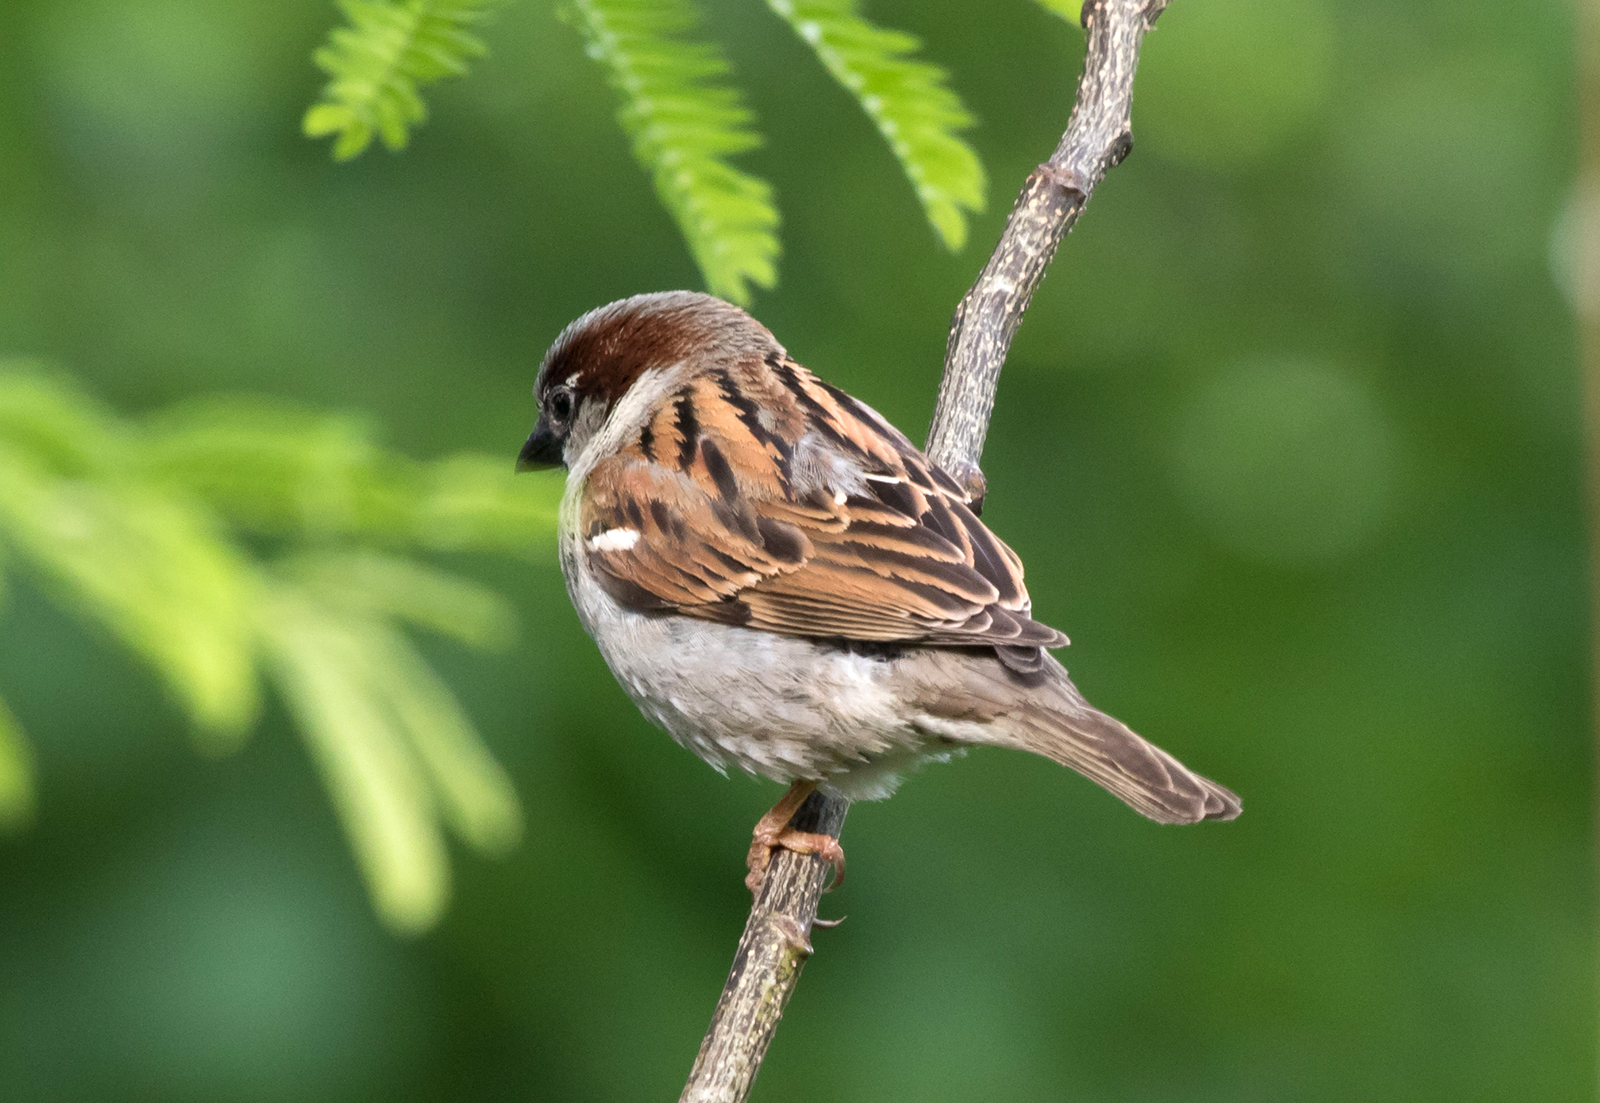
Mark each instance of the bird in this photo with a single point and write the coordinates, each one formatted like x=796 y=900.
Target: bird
x=780 y=579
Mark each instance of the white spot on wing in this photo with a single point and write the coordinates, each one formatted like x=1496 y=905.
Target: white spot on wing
x=613 y=540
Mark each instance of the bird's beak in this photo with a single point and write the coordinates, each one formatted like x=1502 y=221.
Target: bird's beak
x=543 y=450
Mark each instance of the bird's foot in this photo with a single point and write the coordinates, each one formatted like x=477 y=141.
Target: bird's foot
x=774 y=833
x=801 y=842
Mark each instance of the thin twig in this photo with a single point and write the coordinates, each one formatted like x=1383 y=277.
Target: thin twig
x=776 y=940
x=772 y=950
x=1097 y=138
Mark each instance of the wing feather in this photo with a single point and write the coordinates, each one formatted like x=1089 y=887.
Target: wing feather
x=760 y=495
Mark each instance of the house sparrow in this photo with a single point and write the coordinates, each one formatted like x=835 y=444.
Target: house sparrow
x=783 y=582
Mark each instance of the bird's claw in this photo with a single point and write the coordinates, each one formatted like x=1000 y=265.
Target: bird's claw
x=800 y=842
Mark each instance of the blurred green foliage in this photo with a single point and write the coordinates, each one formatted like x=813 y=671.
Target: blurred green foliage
x=129 y=526
x=1289 y=441
x=1070 y=10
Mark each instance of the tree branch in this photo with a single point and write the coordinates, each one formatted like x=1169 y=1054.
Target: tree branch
x=776 y=940
x=1097 y=139
x=772 y=950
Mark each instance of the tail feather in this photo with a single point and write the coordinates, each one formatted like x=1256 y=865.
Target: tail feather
x=1044 y=713
x=1109 y=753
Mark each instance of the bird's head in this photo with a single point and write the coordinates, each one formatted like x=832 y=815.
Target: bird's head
x=599 y=359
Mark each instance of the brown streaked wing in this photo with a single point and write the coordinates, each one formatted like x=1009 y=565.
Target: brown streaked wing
x=723 y=536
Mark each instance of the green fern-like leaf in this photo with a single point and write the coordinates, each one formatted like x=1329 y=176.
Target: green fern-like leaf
x=136 y=526
x=909 y=102
x=149 y=566
x=279 y=470
x=319 y=659
x=378 y=63
x=398 y=755
x=685 y=121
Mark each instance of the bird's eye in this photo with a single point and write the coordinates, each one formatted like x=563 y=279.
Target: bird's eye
x=561 y=405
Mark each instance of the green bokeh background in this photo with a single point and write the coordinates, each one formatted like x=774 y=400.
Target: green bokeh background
x=1289 y=440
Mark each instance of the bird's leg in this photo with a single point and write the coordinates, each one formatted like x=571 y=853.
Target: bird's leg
x=774 y=833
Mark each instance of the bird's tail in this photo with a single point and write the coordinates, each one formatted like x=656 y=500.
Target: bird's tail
x=1044 y=713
